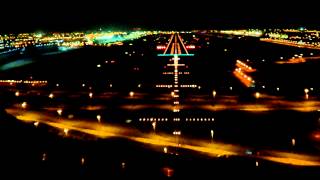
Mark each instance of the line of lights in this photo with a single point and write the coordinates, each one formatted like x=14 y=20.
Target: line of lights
x=245 y=79
x=244 y=66
x=291 y=43
x=239 y=73
x=199 y=119
x=153 y=119
x=163 y=86
x=188 y=86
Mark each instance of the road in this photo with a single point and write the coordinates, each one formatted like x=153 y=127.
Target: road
x=265 y=102
x=163 y=140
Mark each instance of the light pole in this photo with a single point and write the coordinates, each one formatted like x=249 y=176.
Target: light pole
x=99 y=118
x=212 y=133
x=177 y=134
x=24 y=105
x=293 y=142
x=66 y=131
x=59 y=111
x=214 y=93
x=306 y=91
x=257 y=95
x=154 y=124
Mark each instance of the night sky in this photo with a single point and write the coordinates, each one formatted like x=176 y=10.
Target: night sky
x=61 y=16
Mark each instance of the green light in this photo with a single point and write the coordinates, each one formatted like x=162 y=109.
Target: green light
x=175 y=54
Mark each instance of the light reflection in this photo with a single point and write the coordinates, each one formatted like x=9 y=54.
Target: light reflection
x=214 y=149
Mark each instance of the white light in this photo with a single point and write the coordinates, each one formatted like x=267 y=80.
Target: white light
x=214 y=93
x=24 y=105
x=59 y=111
x=212 y=133
x=293 y=142
x=165 y=150
x=99 y=118
x=36 y=124
x=154 y=126
x=65 y=130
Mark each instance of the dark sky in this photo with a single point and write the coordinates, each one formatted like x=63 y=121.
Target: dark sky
x=67 y=15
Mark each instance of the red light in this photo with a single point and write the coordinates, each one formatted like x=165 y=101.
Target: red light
x=160 y=47
x=191 y=47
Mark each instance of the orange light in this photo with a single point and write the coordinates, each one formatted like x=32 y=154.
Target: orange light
x=168 y=171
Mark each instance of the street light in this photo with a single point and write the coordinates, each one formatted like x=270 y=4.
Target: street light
x=24 y=105
x=66 y=130
x=214 y=93
x=177 y=134
x=44 y=156
x=82 y=161
x=211 y=132
x=90 y=94
x=165 y=150
x=293 y=142
x=51 y=95
x=131 y=94
x=257 y=95
x=17 y=93
x=306 y=91
x=154 y=124
x=123 y=165
x=99 y=118
x=59 y=111
x=36 y=124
